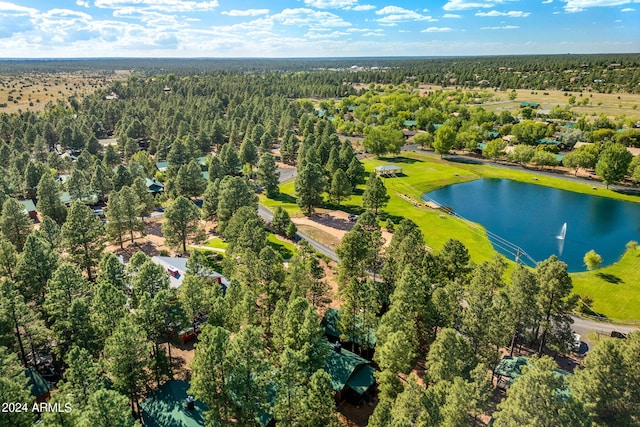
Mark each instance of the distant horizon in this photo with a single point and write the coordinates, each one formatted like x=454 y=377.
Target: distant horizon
x=252 y=29
x=253 y=58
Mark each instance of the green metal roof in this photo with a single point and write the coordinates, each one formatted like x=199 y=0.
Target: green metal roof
x=165 y=407
x=347 y=369
x=162 y=166
x=548 y=142
x=529 y=104
x=511 y=367
x=36 y=383
x=28 y=205
x=410 y=123
x=154 y=186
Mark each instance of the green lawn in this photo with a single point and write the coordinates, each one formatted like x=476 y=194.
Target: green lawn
x=615 y=289
x=423 y=173
x=285 y=248
x=216 y=243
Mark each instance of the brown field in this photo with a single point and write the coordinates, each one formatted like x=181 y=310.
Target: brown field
x=32 y=91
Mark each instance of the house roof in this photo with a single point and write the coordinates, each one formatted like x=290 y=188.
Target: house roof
x=28 y=205
x=387 y=168
x=36 y=383
x=154 y=186
x=65 y=198
x=179 y=265
x=410 y=123
x=165 y=407
x=162 y=166
x=347 y=369
x=529 y=104
x=511 y=367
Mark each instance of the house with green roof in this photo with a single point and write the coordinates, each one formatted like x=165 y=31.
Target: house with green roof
x=533 y=105
x=509 y=369
x=154 y=186
x=29 y=208
x=351 y=375
x=37 y=384
x=167 y=407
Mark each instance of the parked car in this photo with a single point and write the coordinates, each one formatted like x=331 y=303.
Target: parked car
x=353 y=218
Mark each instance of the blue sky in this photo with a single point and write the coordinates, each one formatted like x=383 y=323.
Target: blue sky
x=314 y=28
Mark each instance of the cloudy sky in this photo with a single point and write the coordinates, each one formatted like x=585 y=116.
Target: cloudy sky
x=314 y=28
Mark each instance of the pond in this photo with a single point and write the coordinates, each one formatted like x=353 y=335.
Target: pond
x=531 y=217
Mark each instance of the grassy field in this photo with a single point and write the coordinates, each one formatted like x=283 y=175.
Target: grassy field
x=615 y=289
x=32 y=91
x=423 y=173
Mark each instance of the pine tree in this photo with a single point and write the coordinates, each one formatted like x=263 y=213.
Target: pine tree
x=106 y=408
x=122 y=178
x=189 y=181
x=35 y=267
x=210 y=200
x=340 y=186
x=309 y=186
x=8 y=258
x=15 y=224
x=126 y=359
x=268 y=174
x=123 y=215
x=49 y=203
x=375 y=195
x=78 y=186
x=211 y=370
x=100 y=183
x=248 y=152
x=107 y=308
x=535 y=400
x=181 y=222
x=234 y=194
x=83 y=237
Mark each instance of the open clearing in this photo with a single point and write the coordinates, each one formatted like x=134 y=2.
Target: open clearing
x=32 y=91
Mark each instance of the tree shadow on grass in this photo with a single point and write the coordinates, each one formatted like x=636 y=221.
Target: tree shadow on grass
x=284 y=198
x=400 y=159
x=611 y=278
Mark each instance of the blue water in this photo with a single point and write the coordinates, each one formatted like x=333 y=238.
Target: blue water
x=531 y=217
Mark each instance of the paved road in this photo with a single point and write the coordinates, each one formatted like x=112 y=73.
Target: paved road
x=582 y=325
x=266 y=215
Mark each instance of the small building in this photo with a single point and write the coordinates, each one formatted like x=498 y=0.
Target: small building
x=533 y=105
x=509 y=369
x=351 y=375
x=154 y=186
x=37 y=384
x=177 y=268
x=162 y=166
x=387 y=170
x=168 y=407
x=410 y=123
x=30 y=208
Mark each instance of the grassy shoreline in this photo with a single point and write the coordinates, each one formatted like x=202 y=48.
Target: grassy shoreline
x=424 y=173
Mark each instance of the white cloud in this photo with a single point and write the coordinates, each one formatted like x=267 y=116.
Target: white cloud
x=627 y=9
x=451 y=16
x=247 y=12
x=363 y=7
x=504 y=27
x=375 y=33
x=82 y=3
x=313 y=35
x=394 y=14
x=580 y=5
x=465 y=4
x=160 y=5
x=11 y=7
x=331 y=4
x=437 y=30
x=511 y=13
x=304 y=17
x=547 y=1
x=149 y=17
